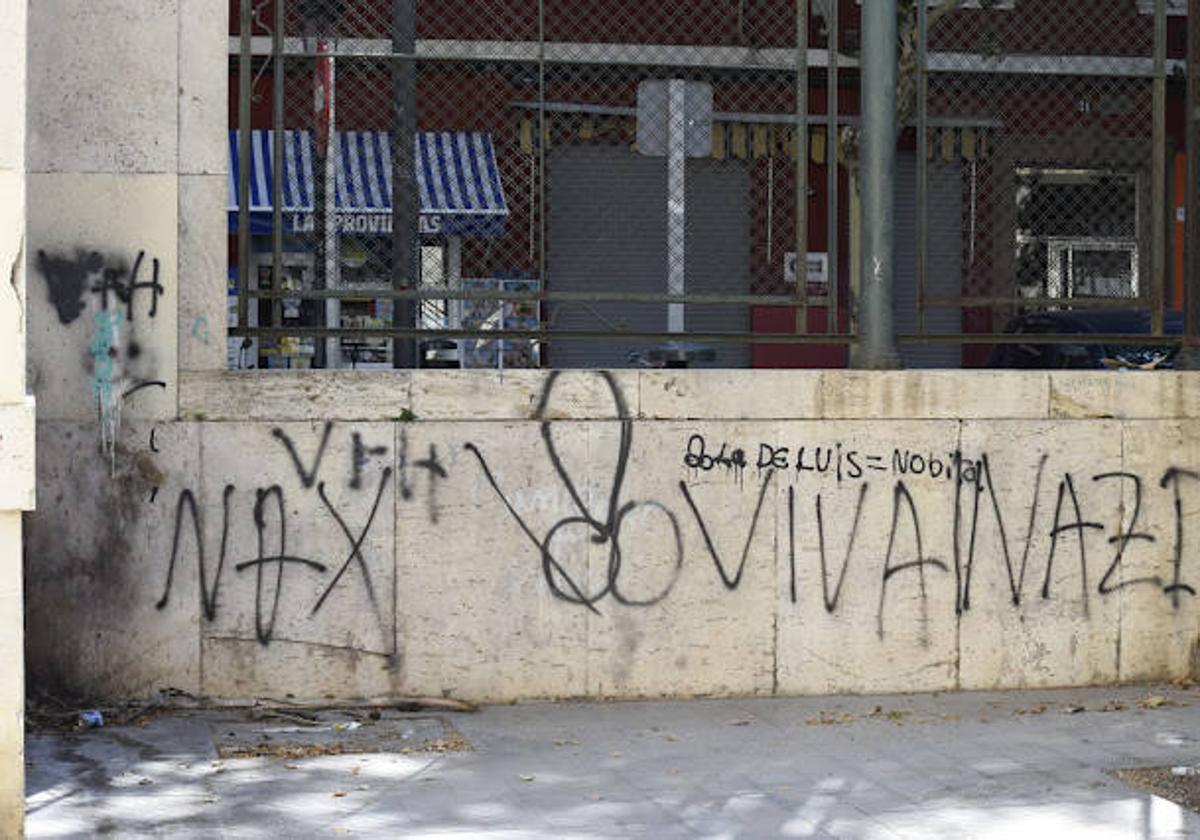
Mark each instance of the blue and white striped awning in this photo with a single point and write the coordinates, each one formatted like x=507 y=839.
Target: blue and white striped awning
x=458 y=182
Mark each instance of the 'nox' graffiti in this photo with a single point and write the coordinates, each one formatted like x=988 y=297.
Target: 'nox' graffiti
x=289 y=549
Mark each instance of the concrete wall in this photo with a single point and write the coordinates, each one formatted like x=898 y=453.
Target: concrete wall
x=16 y=415
x=519 y=536
x=630 y=535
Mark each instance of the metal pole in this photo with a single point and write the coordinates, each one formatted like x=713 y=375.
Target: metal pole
x=878 y=155
x=543 y=140
x=1190 y=355
x=922 y=164
x=277 y=156
x=321 y=150
x=1158 y=187
x=801 y=166
x=333 y=235
x=832 y=146
x=676 y=199
x=245 y=79
x=405 y=206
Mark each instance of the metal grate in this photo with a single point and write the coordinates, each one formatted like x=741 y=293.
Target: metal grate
x=517 y=183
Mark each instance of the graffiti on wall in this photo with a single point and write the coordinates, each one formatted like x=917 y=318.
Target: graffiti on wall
x=307 y=578
x=1070 y=531
x=116 y=290
x=601 y=527
x=298 y=536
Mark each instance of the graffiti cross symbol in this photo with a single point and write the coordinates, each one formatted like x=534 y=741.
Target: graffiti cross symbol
x=355 y=544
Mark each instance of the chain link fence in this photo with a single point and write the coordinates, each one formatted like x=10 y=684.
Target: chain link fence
x=613 y=183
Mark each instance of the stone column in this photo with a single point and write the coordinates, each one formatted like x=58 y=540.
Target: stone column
x=16 y=416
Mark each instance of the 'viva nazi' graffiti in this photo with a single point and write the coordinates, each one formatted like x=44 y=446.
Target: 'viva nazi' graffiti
x=975 y=504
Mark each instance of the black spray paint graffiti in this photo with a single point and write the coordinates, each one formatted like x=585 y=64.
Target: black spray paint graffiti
x=607 y=531
x=976 y=499
x=734 y=580
x=307 y=476
x=356 y=554
x=1069 y=520
x=838 y=459
x=432 y=464
x=272 y=558
x=208 y=596
x=68 y=279
x=362 y=456
x=264 y=621
x=264 y=627
x=1171 y=477
x=901 y=494
x=604 y=529
x=118 y=369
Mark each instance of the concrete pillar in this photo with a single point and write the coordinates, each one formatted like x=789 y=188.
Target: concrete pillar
x=16 y=416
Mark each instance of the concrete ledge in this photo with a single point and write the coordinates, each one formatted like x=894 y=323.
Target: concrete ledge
x=473 y=395
x=730 y=394
x=294 y=395
x=1124 y=396
x=938 y=394
x=17 y=434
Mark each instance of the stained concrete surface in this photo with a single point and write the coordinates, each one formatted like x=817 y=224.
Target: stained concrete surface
x=974 y=765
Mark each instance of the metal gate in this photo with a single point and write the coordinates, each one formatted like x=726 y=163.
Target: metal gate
x=369 y=134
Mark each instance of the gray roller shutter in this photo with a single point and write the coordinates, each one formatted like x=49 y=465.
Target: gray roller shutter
x=606 y=230
x=944 y=273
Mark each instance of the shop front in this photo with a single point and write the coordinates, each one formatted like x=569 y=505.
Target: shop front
x=338 y=234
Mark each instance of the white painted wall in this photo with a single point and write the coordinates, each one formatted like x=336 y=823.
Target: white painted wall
x=451 y=591
x=471 y=550
x=16 y=415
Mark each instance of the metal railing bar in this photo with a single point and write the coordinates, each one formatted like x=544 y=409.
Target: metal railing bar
x=1140 y=340
x=563 y=52
x=1057 y=302
x=662 y=297
x=759 y=117
x=544 y=335
x=513 y=296
x=718 y=56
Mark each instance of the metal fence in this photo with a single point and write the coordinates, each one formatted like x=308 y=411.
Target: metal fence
x=610 y=183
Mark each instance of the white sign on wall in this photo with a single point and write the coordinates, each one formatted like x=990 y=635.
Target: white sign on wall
x=818 y=268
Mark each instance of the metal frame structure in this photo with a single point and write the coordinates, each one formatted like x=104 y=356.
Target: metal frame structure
x=877 y=72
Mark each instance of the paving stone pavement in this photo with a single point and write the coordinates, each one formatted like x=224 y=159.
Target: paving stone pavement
x=966 y=765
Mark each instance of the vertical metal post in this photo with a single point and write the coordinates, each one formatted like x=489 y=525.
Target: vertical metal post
x=676 y=199
x=1191 y=295
x=801 y=166
x=245 y=78
x=405 y=206
x=542 y=142
x=922 y=162
x=332 y=307
x=277 y=157
x=832 y=146
x=1158 y=173
x=878 y=156
x=322 y=206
